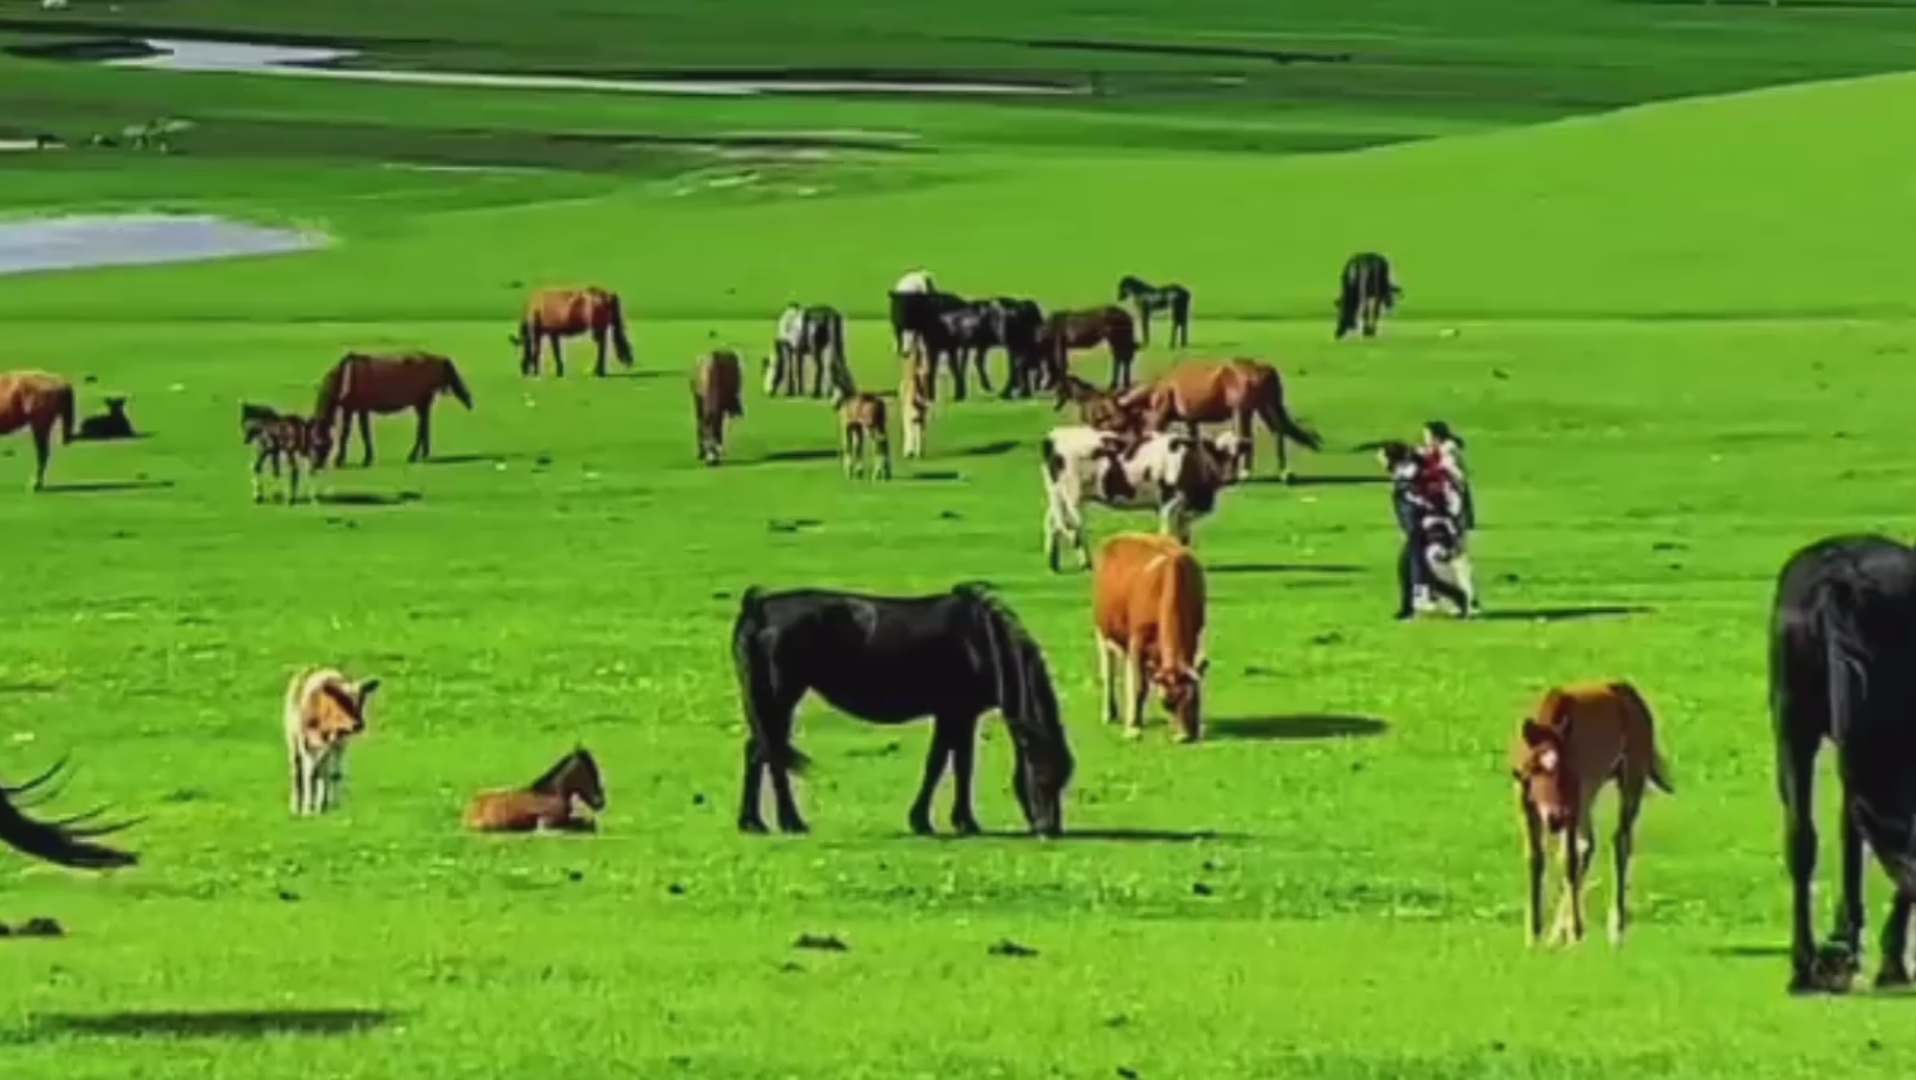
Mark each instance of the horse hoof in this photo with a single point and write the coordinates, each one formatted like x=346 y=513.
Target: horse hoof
x=966 y=826
x=752 y=826
x=794 y=826
x=921 y=825
x=1891 y=978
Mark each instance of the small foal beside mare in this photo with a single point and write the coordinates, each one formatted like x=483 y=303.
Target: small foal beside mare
x=1582 y=737
x=1148 y=609
x=550 y=802
x=283 y=436
x=324 y=709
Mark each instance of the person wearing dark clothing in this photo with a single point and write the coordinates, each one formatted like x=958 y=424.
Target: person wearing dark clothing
x=1424 y=504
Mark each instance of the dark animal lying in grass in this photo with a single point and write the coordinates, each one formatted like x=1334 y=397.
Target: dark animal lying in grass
x=112 y=424
x=550 y=802
x=890 y=660
x=1842 y=632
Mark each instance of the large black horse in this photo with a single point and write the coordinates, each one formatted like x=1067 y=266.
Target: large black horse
x=63 y=841
x=890 y=660
x=1842 y=635
x=1366 y=292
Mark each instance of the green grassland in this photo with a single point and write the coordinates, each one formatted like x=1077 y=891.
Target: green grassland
x=1676 y=336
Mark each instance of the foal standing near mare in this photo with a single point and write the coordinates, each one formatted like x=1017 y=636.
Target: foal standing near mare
x=547 y=803
x=863 y=434
x=1842 y=632
x=1207 y=392
x=716 y=381
x=1151 y=298
x=361 y=384
x=552 y=314
x=324 y=710
x=1366 y=292
x=36 y=400
x=1148 y=609
x=289 y=437
x=891 y=660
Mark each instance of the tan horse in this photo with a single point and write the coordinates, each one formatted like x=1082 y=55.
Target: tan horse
x=550 y=802
x=1068 y=330
x=864 y=435
x=35 y=400
x=1211 y=391
x=361 y=384
x=1148 y=605
x=914 y=401
x=552 y=314
x=716 y=380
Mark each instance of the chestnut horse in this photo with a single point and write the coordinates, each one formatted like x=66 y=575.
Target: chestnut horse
x=1067 y=330
x=1148 y=607
x=1097 y=408
x=35 y=400
x=715 y=395
x=552 y=314
x=546 y=803
x=361 y=384
x=1212 y=391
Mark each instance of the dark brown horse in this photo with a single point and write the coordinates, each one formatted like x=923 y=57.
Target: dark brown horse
x=1067 y=330
x=361 y=384
x=1096 y=407
x=37 y=400
x=552 y=314
x=1215 y=391
x=715 y=396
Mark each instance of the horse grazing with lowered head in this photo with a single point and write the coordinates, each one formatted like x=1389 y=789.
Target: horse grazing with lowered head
x=361 y=384
x=1110 y=325
x=1581 y=738
x=1148 y=609
x=552 y=314
x=36 y=400
x=549 y=803
x=324 y=712
x=1149 y=299
x=1176 y=475
x=815 y=334
x=279 y=437
x=1235 y=391
x=1365 y=293
x=65 y=842
x=890 y=660
x=1841 y=634
x=716 y=385
x=865 y=438
x=1097 y=408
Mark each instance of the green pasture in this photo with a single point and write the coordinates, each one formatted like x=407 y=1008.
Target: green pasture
x=1676 y=336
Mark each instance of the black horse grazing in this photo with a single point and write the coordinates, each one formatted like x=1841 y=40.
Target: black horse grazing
x=1842 y=634
x=889 y=660
x=1367 y=293
x=1153 y=298
x=60 y=841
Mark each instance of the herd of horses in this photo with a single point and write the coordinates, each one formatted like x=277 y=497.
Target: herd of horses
x=1844 y=613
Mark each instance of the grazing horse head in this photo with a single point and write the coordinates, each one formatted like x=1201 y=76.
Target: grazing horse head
x=338 y=710
x=1539 y=767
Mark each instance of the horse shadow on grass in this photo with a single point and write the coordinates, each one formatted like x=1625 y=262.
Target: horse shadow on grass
x=642 y=373
x=774 y=457
x=367 y=498
x=102 y=487
x=473 y=459
x=934 y=476
x=1565 y=614
x=1328 y=480
x=215 y=1024
x=1106 y=836
x=1297 y=727
x=1750 y=952
x=1284 y=568
x=990 y=449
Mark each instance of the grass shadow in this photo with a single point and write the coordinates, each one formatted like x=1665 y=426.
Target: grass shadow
x=1284 y=568
x=471 y=459
x=1305 y=726
x=1107 y=836
x=641 y=373
x=101 y=487
x=935 y=476
x=776 y=456
x=1565 y=614
x=1751 y=952
x=1321 y=481
x=367 y=498
x=216 y=1024
x=990 y=449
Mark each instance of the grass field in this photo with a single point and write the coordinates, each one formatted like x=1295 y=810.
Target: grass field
x=1680 y=351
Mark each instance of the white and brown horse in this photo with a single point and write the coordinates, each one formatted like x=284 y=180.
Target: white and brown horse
x=1173 y=474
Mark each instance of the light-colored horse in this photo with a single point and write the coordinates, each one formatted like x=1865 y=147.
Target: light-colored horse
x=36 y=400
x=1174 y=474
x=324 y=709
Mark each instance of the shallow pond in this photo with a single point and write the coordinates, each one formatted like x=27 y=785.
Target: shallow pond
x=66 y=243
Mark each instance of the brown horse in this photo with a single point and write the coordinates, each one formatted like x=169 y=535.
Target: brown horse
x=864 y=434
x=361 y=384
x=1097 y=408
x=1211 y=391
x=35 y=400
x=552 y=314
x=1067 y=330
x=546 y=803
x=715 y=396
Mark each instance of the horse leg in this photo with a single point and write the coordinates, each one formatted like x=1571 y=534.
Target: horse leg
x=1247 y=440
x=422 y=434
x=955 y=356
x=881 y=449
x=935 y=759
x=1848 y=931
x=1144 y=325
x=964 y=764
x=984 y=378
x=42 y=450
x=1107 y=678
x=851 y=445
x=1797 y=770
x=1895 y=969
x=558 y=358
x=1533 y=867
x=598 y=339
x=366 y=437
x=299 y=779
x=1135 y=689
x=259 y=466
x=1629 y=804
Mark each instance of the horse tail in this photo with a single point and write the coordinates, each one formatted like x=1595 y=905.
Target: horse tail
x=64 y=397
x=615 y=313
x=1279 y=421
x=449 y=378
x=746 y=658
x=58 y=841
x=1659 y=770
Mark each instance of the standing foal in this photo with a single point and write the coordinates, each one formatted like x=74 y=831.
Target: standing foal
x=324 y=709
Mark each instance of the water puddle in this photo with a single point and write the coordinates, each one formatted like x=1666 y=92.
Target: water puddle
x=70 y=243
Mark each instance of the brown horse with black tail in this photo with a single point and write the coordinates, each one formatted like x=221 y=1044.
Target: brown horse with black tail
x=1067 y=330
x=361 y=384
x=1212 y=391
x=37 y=400
x=552 y=314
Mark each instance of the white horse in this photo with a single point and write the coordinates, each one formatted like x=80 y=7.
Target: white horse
x=324 y=709
x=1172 y=473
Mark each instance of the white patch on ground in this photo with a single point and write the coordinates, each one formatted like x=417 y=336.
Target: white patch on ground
x=256 y=59
x=75 y=242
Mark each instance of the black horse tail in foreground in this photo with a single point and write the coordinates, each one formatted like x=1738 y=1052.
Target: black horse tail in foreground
x=1842 y=636
x=889 y=660
x=62 y=841
x=1366 y=293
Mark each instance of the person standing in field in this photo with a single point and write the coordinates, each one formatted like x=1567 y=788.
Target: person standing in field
x=1447 y=447
x=1428 y=508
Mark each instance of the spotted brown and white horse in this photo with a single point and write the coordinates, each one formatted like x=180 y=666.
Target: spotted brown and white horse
x=1172 y=473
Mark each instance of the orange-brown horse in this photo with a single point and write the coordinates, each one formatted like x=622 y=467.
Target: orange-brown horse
x=546 y=803
x=361 y=384
x=1211 y=391
x=1148 y=604
x=1064 y=331
x=715 y=395
x=36 y=400
x=552 y=314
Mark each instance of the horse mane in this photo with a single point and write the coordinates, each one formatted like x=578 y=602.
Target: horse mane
x=331 y=386
x=547 y=778
x=1026 y=697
